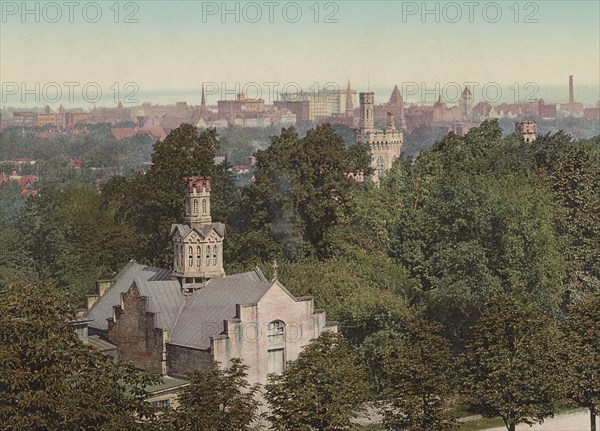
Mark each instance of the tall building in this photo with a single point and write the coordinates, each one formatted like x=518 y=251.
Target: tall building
x=466 y=104
x=384 y=145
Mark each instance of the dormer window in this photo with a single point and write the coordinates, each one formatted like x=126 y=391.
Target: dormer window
x=198 y=256
x=191 y=257
x=215 y=255
x=208 y=255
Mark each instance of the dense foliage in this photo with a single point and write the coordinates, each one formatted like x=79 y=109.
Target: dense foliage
x=52 y=381
x=218 y=399
x=322 y=390
x=474 y=237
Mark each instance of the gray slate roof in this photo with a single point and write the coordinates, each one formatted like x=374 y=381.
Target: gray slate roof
x=164 y=298
x=103 y=308
x=205 y=311
x=191 y=321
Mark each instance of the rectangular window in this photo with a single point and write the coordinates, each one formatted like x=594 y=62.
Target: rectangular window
x=276 y=361
x=161 y=404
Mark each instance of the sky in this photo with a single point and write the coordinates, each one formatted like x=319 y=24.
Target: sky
x=143 y=47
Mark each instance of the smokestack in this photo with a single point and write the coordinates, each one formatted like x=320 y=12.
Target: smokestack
x=571 y=97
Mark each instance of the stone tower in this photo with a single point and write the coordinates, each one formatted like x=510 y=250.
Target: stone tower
x=197 y=202
x=198 y=243
x=367 y=111
x=466 y=104
x=384 y=145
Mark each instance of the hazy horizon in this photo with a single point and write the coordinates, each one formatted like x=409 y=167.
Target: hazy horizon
x=181 y=44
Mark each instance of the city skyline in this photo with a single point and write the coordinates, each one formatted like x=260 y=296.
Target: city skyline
x=374 y=45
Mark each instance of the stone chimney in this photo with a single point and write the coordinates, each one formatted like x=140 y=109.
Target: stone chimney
x=571 y=96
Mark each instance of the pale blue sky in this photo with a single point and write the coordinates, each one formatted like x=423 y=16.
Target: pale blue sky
x=172 y=48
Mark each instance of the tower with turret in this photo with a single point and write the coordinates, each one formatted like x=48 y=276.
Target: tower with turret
x=198 y=242
x=384 y=145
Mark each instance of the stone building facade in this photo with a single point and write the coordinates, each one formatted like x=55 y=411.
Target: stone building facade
x=175 y=321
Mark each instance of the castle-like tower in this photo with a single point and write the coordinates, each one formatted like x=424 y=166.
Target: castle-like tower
x=197 y=244
x=385 y=145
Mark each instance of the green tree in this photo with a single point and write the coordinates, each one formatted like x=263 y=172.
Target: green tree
x=514 y=368
x=322 y=390
x=218 y=400
x=420 y=380
x=50 y=380
x=299 y=186
x=583 y=335
x=71 y=237
x=576 y=185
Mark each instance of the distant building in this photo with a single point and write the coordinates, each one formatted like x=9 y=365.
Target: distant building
x=232 y=109
x=384 y=145
x=528 y=129
x=592 y=114
x=546 y=111
x=466 y=104
x=300 y=108
x=24 y=119
x=572 y=108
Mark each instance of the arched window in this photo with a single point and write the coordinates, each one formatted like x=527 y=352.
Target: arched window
x=380 y=167
x=208 y=255
x=195 y=206
x=276 y=351
x=215 y=255
x=191 y=256
x=203 y=206
x=198 y=256
x=276 y=332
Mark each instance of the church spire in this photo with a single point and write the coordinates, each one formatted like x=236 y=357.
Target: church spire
x=349 y=105
x=203 y=102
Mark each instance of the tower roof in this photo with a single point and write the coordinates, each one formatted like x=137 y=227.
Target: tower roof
x=203 y=102
x=466 y=91
x=396 y=97
x=349 y=105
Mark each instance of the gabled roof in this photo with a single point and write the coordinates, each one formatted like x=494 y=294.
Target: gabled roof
x=203 y=232
x=103 y=307
x=205 y=311
x=164 y=298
